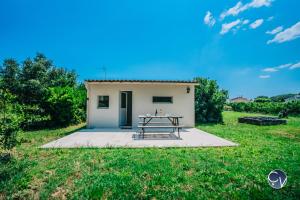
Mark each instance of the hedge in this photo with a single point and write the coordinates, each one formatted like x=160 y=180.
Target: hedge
x=293 y=108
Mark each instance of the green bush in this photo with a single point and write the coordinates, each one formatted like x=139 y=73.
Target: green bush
x=29 y=82
x=34 y=117
x=262 y=99
x=9 y=120
x=209 y=101
x=293 y=108
x=65 y=105
x=281 y=97
x=9 y=129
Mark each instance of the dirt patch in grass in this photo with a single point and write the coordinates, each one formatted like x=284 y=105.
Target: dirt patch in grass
x=285 y=134
x=60 y=193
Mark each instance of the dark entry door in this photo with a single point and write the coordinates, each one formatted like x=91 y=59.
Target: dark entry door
x=126 y=109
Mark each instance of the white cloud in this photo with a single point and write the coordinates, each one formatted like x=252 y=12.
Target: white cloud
x=241 y=24
x=275 y=30
x=209 y=19
x=264 y=76
x=256 y=24
x=277 y=68
x=239 y=7
x=270 y=69
x=287 y=35
x=284 y=66
x=246 y=21
x=235 y=26
x=280 y=67
x=235 y=10
x=259 y=3
x=227 y=26
x=295 y=66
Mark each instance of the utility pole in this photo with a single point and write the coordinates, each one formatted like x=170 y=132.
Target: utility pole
x=104 y=70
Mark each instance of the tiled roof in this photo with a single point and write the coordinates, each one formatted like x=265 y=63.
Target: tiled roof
x=239 y=98
x=142 y=81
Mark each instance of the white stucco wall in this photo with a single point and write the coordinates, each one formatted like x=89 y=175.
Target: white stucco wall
x=142 y=93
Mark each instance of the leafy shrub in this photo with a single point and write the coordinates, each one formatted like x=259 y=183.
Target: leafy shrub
x=275 y=108
x=9 y=128
x=209 y=101
x=29 y=83
x=9 y=120
x=65 y=105
x=34 y=117
x=262 y=99
x=281 y=98
x=293 y=107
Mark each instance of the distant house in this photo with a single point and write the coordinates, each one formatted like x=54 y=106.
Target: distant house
x=293 y=98
x=239 y=99
x=118 y=103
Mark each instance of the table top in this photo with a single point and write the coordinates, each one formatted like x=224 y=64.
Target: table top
x=160 y=116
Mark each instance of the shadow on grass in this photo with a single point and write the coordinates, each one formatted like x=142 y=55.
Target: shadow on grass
x=47 y=125
x=12 y=168
x=55 y=128
x=73 y=131
x=209 y=123
x=46 y=135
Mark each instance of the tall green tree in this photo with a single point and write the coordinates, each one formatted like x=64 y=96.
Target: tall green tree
x=281 y=98
x=9 y=74
x=60 y=77
x=30 y=83
x=262 y=99
x=64 y=104
x=33 y=78
x=9 y=120
x=209 y=101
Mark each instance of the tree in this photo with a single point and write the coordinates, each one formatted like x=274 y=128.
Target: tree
x=9 y=120
x=60 y=77
x=39 y=74
x=209 y=101
x=9 y=74
x=282 y=97
x=30 y=83
x=64 y=104
x=34 y=80
x=262 y=99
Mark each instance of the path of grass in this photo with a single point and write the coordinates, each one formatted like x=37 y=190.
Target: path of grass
x=191 y=173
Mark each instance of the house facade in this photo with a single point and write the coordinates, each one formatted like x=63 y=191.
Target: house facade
x=118 y=103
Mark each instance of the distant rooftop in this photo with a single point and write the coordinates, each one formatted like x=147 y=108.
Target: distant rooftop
x=240 y=97
x=139 y=81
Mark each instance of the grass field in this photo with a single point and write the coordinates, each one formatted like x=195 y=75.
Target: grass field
x=186 y=173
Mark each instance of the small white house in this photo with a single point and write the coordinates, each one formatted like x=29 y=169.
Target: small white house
x=118 y=103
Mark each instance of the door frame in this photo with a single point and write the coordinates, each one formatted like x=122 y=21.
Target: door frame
x=128 y=109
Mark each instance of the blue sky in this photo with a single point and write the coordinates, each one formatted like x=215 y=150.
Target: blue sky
x=251 y=47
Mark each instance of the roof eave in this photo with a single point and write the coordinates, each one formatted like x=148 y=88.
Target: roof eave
x=140 y=82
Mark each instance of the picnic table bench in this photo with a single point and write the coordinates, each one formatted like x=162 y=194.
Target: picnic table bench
x=148 y=123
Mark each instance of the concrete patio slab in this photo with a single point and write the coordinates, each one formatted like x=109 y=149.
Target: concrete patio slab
x=103 y=138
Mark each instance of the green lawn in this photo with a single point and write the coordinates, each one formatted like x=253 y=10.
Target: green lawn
x=172 y=173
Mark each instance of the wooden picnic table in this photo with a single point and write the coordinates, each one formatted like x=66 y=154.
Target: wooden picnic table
x=148 y=123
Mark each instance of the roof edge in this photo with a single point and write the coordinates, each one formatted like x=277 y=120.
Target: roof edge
x=139 y=81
